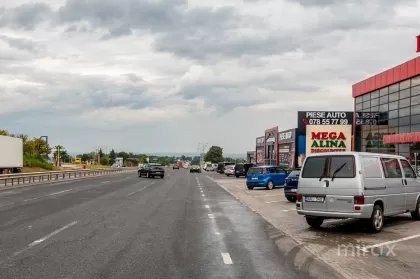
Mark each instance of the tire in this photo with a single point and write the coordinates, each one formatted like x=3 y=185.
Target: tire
x=148 y=174
x=237 y=176
x=314 y=222
x=416 y=213
x=291 y=199
x=376 y=221
x=162 y=176
x=227 y=175
x=250 y=187
x=139 y=173
x=270 y=185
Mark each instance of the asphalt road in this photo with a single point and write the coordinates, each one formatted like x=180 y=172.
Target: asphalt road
x=123 y=226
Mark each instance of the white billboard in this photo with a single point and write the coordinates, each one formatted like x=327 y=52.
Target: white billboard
x=328 y=138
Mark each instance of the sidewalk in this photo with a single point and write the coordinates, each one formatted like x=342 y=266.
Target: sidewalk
x=339 y=243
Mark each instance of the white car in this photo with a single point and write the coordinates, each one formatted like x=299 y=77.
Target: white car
x=230 y=170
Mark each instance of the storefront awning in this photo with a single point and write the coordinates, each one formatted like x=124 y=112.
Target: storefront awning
x=402 y=138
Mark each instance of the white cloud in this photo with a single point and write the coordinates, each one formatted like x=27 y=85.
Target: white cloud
x=163 y=75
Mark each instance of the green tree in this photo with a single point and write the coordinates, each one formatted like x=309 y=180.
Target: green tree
x=214 y=155
x=105 y=161
x=3 y=133
x=195 y=161
x=112 y=156
x=101 y=153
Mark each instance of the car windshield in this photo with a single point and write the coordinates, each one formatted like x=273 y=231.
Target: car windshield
x=294 y=173
x=255 y=171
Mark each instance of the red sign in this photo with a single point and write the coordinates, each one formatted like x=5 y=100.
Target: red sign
x=418 y=43
x=328 y=135
x=402 y=138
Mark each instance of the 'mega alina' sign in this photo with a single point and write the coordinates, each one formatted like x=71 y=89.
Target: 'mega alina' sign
x=328 y=138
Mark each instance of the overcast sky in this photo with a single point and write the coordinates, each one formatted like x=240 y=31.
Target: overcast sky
x=163 y=75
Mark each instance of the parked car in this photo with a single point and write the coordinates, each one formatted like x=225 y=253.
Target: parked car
x=291 y=185
x=266 y=176
x=361 y=185
x=229 y=170
x=221 y=166
x=209 y=167
x=242 y=169
x=151 y=170
x=195 y=168
x=175 y=167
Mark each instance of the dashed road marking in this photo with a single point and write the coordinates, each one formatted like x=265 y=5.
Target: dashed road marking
x=367 y=248
x=56 y=193
x=226 y=258
x=105 y=182
x=217 y=233
x=272 y=201
x=207 y=206
x=132 y=193
x=211 y=216
x=285 y=210
x=203 y=195
x=7 y=204
x=201 y=191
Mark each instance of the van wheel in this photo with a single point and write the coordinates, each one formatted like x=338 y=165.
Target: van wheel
x=376 y=221
x=270 y=185
x=250 y=187
x=237 y=176
x=416 y=213
x=314 y=222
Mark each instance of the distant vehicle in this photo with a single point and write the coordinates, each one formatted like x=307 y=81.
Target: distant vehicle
x=229 y=170
x=209 y=167
x=195 y=168
x=242 y=169
x=221 y=166
x=151 y=170
x=359 y=185
x=266 y=176
x=175 y=167
x=11 y=154
x=291 y=185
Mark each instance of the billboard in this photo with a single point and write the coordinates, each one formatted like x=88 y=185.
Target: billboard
x=271 y=146
x=259 y=150
x=328 y=138
x=287 y=154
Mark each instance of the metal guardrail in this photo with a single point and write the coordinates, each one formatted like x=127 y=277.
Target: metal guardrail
x=33 y=177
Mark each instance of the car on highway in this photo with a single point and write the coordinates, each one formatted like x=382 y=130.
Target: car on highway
x=229 y=170
x=195 y=168
x=291 y=185
x=359 y=185
x=242 y=169
x=151 y=170
x=266 y=176
x=175 y=167
x=221 y=166
x=209 y=167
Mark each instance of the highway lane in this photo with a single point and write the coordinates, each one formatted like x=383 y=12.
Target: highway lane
x=122 y=226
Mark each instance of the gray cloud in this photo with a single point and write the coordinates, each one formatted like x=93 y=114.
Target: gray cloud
x=26 y=16
x=22 y=44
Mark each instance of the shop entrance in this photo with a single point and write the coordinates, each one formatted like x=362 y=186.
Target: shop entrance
x=415 y=156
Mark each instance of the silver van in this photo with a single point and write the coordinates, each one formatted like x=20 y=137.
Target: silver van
x=358 y=185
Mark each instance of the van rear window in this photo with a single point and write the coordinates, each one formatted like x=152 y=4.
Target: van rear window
x=255 y=171
x=314 y=167
x=337 y=166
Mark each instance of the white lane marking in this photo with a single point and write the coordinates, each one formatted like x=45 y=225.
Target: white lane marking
x=211 y=216
x=367 y=248
x=132 y=193
x=105 y=182
x=226 y=258
x=203 y=195
x=56 y=193
x=46 y=237
x=271 y=201
x=207 y=206
x=285 y=210
x=201 y=191
x=217 y=233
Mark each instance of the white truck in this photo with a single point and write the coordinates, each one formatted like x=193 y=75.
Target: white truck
x=11 y=155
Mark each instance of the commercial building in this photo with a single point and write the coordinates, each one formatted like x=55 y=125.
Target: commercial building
x=250 y=157
x=286 y=142
x=387 y=111
x=259 y=150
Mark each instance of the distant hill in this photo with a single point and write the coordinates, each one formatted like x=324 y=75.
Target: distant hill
x=176 y=154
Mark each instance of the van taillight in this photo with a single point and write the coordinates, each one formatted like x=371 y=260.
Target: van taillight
x=299 y=197
x=263 y=171
x=359 y=199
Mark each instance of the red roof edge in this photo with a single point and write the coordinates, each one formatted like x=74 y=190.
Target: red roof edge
x=396 y=74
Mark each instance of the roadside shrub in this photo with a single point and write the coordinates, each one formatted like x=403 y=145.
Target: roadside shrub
x=36 y=162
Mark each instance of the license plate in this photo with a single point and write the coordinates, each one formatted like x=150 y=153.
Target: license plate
x=293 y=190
x=254 y=178
x=314 y=199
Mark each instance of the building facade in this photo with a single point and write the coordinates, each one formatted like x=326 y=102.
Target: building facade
x=287 y=148
x=387 y=111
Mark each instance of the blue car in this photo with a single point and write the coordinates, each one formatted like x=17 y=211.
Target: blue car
x=266 y=176
x=291 y=185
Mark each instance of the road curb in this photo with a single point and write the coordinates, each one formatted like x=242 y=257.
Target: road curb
x=294 y=253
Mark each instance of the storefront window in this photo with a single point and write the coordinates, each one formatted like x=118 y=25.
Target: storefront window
x=366 y=104
x=359 y=107
x=405 y=84
x=393 y=97
x=415 y=81
x=404 y=148
x=394 y=88
x=366 y=97
x=404 y=129
x=383 y=100
x=374 y=94
x=415 y=91
x=359 y=99
x=404 y=93
x=393 y=114
x=383 y=107
x=415 y=100
x=393 y=122
x=404 y=121
x=374 y=109
x=415 y=128
x=415 y=119
x=384 y=91
x=366 y=110
x=404 y=103
x=415 y=110
x=393 y=105
x=404 y=112
x=374 y=102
